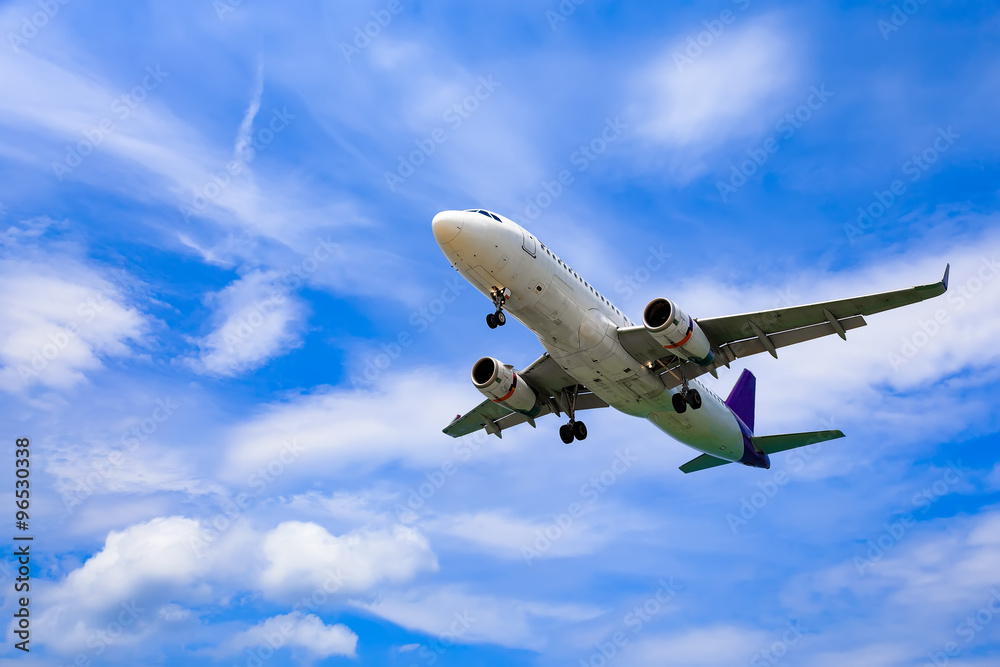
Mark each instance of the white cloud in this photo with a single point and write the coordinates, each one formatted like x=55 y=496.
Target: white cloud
x=349 y=563
x=558 y=535
x=878 y=376
x=157 y=570
x=697 y=647
x=257 y=319
x=731 y=90
x=373 y=426
x=925 y=580
x=296 y=631
x=243 y=137
x=61 y=320
x=456 y=616
x=128 y=579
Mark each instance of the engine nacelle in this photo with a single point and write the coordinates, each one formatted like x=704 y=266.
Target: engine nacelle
x=502 y=385
x=677 y=332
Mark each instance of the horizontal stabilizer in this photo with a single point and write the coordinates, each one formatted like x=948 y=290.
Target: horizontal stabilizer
x=771 y=444
x=702 y=462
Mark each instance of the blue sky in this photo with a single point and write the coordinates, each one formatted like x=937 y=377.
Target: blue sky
x=233 y=341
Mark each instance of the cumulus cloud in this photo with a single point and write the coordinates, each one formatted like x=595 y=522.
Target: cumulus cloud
x=296 y=631
x=257 y=319
x=155 y=572
x=354 y=562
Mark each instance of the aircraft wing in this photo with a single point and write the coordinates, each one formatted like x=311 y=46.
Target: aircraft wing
x=548 y=379
x=736 y=336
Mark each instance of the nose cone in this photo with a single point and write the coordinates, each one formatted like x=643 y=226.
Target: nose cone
x=446 y=226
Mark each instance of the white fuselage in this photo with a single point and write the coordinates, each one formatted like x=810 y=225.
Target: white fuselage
x=577 y=326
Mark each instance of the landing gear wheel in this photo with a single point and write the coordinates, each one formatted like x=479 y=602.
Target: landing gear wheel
x=580 y=430
x=566 y=433
x=499 y=297
x=694 y=399
x=680 y=405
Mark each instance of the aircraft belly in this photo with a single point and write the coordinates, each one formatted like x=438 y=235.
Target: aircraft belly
x=711 y=429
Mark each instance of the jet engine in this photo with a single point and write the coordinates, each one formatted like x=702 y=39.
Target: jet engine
x=501 y=384
x=677 y=332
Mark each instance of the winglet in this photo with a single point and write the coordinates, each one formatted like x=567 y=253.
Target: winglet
x=944 y=280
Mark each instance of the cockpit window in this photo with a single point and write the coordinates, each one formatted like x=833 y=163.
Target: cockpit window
x=482 y=212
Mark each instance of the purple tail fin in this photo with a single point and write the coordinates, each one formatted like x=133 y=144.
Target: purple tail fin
x=741 y=398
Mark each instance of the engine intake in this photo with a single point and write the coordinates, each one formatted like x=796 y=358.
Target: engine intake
x=677 y=332
x=501 y=384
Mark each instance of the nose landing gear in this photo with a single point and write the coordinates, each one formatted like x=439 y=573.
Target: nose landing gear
x=499 y=296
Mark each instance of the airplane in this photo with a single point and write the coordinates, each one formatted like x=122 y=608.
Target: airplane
x=595 y=356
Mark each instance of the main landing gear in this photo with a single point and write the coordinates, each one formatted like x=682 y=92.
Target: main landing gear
x=499 y=296
x=574 y=429
x=686 y=397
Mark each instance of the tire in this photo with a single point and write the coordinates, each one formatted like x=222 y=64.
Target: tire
x=566 y=433
x=694 y=399
x=501 y=318
x=580 y=430
x=679 y=404
x=491 y=321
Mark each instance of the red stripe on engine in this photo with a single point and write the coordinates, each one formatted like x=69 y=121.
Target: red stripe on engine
x=685 y=339
x=513 y=386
